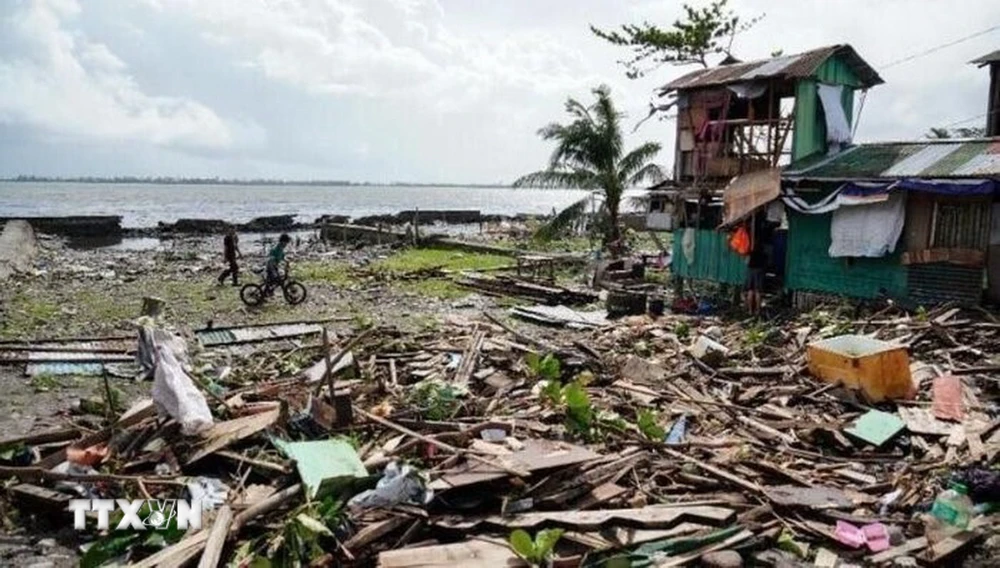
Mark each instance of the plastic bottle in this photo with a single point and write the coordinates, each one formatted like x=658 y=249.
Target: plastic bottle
x=950 y=513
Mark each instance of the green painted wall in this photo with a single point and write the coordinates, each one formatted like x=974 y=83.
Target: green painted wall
x=810 y=125
x=809 y=266
x=714 y=260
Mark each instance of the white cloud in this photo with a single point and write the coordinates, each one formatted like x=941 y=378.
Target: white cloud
x=390 y=49
x=57 y=79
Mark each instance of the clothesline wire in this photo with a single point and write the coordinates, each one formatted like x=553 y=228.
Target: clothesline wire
x=938 y=48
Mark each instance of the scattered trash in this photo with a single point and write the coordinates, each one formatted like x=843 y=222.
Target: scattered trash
x=399 y=485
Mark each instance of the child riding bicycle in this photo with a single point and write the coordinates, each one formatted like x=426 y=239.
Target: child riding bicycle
x=275 y=258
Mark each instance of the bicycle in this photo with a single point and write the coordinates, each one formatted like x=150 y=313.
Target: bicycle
x=255 y=294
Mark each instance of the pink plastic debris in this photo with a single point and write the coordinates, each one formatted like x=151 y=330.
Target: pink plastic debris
x=876 y=537
x=850 y=535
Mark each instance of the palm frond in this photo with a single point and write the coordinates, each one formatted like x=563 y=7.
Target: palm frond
x=650 y=173
x=562 y=222
x=549 y=179
x=636 y=160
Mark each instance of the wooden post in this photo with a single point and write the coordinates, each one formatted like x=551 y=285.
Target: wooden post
x=328 y=375
x=109 y=410
x=416 y=226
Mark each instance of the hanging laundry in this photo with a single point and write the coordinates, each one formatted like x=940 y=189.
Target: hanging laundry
x=838 y=130
x=867 y=230
x=687 y=245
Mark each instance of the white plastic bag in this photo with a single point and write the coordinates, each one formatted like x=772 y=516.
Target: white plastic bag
x=175 y=394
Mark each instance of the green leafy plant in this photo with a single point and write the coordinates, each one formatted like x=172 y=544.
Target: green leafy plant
x=546 y=368
x=436 y=400
x=551 y=393
x=682 y=330
x=649 y=426
x=579 y=410
x=758 y=334
x=537 y=551
x=921 y=314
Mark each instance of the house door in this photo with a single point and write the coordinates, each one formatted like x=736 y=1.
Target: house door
x=993 y=256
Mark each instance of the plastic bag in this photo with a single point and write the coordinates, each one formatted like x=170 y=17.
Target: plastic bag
x=175 y=394
x=398 y=485
x=739 y=241
x=210 y=491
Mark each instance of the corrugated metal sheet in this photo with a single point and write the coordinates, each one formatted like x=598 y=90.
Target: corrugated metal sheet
x=892 y=160
x=210 y=337
x=916 y=163
x=215 y=337
x=809 y=266
x=63 y=369
x=937 y=283
x=714 y=260
x=799 y=65
x=981 y=164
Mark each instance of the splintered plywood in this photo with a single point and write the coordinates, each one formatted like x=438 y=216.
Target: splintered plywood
x=537 y=455
x=811 y=497
x=470 y=554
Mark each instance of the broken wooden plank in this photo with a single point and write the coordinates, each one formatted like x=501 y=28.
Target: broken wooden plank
x=216 y=538
x=222 y=434
x=943 y=550
x=811 y=497
x=912 y=545
x=651 y=517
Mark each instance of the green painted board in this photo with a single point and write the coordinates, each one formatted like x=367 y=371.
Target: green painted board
x=322 y=460
x=876 y=427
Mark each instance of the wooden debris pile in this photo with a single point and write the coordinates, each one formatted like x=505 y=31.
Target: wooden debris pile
x=644 y=442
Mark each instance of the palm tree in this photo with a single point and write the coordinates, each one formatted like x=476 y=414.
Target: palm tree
x=589 y=155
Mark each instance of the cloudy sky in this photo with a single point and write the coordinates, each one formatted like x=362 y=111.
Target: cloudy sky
x=420 y=90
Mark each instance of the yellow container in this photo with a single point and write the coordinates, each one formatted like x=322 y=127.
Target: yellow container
x=879 y=369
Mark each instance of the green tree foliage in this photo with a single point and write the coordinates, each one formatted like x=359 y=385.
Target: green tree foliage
x=940 y=133
x=589 y=155
x=702 y=33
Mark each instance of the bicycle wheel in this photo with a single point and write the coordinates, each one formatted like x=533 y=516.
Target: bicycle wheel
x=294 y=292
x=252 y=294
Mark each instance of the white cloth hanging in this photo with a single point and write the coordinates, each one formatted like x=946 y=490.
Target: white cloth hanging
x=838 y=130
x=868 y=230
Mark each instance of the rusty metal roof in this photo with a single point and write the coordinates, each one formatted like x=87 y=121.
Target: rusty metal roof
x=971 y=158
x=800 y=65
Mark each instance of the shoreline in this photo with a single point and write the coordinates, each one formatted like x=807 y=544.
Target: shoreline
x=110 y=226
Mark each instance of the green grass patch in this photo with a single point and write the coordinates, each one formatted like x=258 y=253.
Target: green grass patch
x=440 y=288
x=333 y=272
x=413 y=259
x=27 y=314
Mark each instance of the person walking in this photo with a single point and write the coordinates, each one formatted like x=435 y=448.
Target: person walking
x=230 y=252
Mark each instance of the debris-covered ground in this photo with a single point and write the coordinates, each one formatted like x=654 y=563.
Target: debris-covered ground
x=449 y=432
